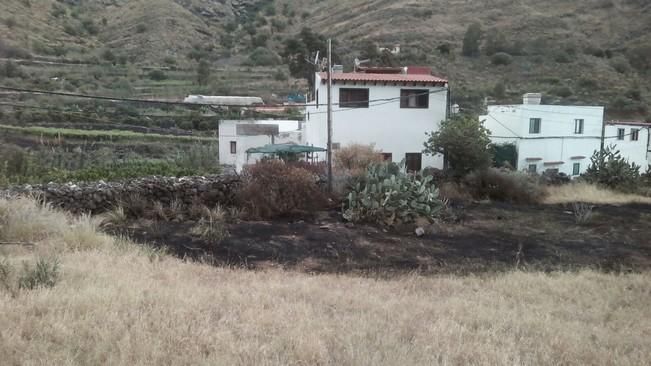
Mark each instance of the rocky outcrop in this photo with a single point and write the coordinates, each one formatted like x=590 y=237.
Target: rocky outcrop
x=101 y=196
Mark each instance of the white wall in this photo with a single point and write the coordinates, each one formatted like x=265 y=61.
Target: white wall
x=634 y=151
x=289 y=131
x=392 y=129
x=556 y=141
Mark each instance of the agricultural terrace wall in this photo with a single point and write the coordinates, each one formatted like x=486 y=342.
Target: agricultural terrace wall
x=101 y=196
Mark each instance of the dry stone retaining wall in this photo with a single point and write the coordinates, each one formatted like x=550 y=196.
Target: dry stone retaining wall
x=101 y=196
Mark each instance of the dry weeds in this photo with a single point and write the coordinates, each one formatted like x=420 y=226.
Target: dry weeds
x=583 y=192
x=120 y=304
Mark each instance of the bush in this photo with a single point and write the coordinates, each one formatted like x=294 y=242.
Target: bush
x=44 y=274
x=562 y=91
x=471 y=40
x=610 y=169
x=501 y=58
x=465 y=143
x=356 y=157
x=157 y=75
x=262 y=57
x=275 y=189
x=504 y=185
x=389 y=198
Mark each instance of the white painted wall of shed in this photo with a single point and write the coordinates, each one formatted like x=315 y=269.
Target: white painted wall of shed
x=390 y=128
x=290 y=131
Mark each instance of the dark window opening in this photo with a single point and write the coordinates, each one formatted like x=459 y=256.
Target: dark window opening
x=578 y=126
x=533 y=168
x=635 y=134
x=233 y=147
x=576 y=169
x=534 y=125
x=414 y=98
x=353 y=98
x=621 y=133
x=414 y=162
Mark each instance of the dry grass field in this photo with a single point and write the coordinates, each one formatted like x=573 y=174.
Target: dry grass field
x=590 y=194
x=121 y=304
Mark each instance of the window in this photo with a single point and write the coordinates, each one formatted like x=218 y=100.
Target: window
x=410 y=98
x=635 y=134
x=233 y=147
x=533 y=168
x=534 y=125
x=353 y=98
x=317 y=99
x=621 y=133
x=387 y=156
x=576 y=169
x=413 y=161
x=578 y=126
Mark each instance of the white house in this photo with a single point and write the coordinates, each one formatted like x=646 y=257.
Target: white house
x=237 y=136
x=561 y=138
x=391 y=108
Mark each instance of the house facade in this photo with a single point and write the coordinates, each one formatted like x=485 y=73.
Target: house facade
x=391 y=108
x=237 y=136
x=561 y=138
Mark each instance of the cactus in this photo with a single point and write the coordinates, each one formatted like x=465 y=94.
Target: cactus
x=389 y=198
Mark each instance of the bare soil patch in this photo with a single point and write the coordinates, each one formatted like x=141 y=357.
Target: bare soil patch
x=485 y=237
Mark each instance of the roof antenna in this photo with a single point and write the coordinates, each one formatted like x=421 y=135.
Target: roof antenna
x=359 y=63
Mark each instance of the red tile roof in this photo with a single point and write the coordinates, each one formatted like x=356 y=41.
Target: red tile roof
x=391 y=78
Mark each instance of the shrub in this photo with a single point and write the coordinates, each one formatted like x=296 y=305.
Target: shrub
x=273 y=188
x=45 y=273
x=471 y=40
x=501 y=58
x=582 y=212
x=356 y=157
x=212 y=226
x=388 y=199
x=262 y=57
x=89 y=26
x=465 y=143
x=610 y=169
x=562 y=91
x=504 y=185
x=157 y=75
x=563 y=57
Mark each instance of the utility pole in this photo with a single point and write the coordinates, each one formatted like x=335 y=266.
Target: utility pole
x=603 y=135
x=329 y=73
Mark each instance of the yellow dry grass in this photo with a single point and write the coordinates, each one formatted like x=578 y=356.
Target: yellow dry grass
x=583 y=192
x=119 y=304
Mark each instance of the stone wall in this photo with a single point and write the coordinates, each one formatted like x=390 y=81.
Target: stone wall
x=101 y=196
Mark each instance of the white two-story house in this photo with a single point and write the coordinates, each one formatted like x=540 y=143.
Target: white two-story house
x=391 y=108
x=561 y=138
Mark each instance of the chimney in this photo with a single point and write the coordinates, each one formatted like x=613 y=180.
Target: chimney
x=532 y=98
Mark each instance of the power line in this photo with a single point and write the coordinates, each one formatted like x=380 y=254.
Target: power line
x=186 y=104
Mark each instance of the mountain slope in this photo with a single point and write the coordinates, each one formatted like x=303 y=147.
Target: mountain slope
x=589 y=51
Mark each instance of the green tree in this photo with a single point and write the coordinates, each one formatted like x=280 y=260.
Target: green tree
x=464 y=142
x=203 y=72
x=303 y=47
x=472 y=40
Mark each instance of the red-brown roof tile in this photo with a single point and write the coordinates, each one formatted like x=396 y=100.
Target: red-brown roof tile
x=390 y=78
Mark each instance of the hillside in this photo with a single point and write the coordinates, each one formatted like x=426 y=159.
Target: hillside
x=574 y=52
